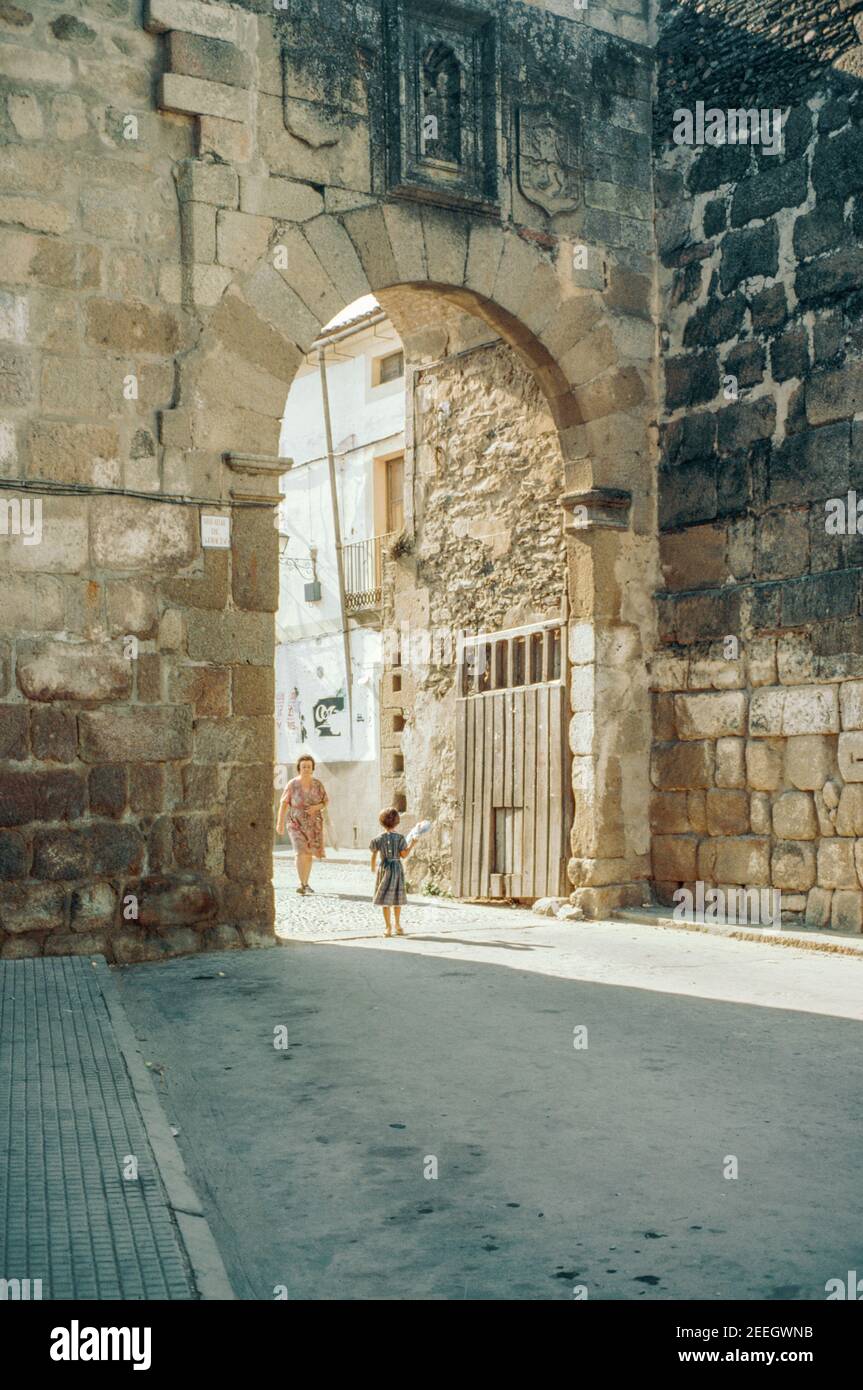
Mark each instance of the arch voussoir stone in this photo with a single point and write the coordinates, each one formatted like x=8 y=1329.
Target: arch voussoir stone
x=514 y=273
x=369 y=234
x=244 y=332
x=446 y=235
x=485 y=248
x=407 y=238
x=334 y=248
x=272 y=296
x=308 y=277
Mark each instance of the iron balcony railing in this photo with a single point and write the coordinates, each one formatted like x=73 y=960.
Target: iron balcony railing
x=363 y=563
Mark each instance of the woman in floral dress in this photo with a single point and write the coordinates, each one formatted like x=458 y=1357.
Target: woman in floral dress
x=302 y=806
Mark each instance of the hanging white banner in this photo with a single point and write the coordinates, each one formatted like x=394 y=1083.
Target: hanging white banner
x=311 y=699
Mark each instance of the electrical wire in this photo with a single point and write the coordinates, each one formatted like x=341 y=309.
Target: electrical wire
x=51 y=488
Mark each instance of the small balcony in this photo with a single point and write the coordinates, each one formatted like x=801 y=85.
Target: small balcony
x=363 y=563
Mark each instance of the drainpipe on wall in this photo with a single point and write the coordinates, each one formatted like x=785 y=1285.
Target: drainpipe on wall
x=337 y=531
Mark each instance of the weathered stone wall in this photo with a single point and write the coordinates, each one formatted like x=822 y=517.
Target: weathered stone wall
x=487 y=553
x=758 y=722
x=186 y=196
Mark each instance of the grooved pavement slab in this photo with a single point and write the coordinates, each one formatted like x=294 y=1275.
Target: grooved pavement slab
x=69 y=1124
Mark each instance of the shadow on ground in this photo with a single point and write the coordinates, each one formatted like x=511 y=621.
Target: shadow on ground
x=557 y=1166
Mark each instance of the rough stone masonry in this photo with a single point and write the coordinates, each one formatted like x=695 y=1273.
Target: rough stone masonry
x=757 y=762
x=189 y=191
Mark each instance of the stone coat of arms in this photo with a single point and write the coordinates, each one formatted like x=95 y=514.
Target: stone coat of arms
x=548 y=162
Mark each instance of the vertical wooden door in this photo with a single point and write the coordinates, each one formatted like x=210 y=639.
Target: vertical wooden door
x=512 y=766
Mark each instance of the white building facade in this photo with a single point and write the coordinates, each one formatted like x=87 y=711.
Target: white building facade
x=320 y=625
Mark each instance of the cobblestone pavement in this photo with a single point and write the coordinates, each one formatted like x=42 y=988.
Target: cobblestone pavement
x=69 y=1121
x=340 y=907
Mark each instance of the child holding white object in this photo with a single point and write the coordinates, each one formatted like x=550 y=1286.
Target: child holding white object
x=392 y=847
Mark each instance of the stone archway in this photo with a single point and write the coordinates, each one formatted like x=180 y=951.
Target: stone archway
x=268 y=317
x=276 y=176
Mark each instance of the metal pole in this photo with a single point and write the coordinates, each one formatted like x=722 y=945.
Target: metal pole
x=337 y=531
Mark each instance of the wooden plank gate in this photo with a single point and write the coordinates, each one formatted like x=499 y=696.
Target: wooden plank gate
x=513 y=784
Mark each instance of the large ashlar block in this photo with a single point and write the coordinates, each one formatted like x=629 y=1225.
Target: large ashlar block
x=242 y=239
x=764 y=765
x=713 y=714
x=74 y=671
x=199 y=232
x=198 y=98
x=809 y=760
x=858 y=859
x=127 y=534
x=226 y=380
x=794 y=817
x=202 y=181
x=207 y=284
x=582 y=643
x=280 y=197
x=738 y=861
x=759 y=813
x=212 y=60
x=851 y=704
x=581 y=733
x=255 y=566
x=668 y=813
x=682 y=766
x=240 y=739
x=714 y=671
x=663 y=717
x=696 y=809
x=674 y=858
x=192 y=17
x=31 y=603
x=765 y=711
x=668 y=672
x=792 y=866
x=727 y=812
x=446 y=247
x=582 y=688
x=62 y=538
x=836 y=868
x=111 y=736
x=811 y=709
x=849 y=815
x=794 y=659
x=730 y=762
x=242 y=331
x=851 y=756
x=229 y=637
x=802 y=709
x=846 y=912
x=761 y=660
x=228 y=140
x=818 y=908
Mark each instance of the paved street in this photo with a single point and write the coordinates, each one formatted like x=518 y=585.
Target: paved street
x=557 y=1166
x=82 y=1206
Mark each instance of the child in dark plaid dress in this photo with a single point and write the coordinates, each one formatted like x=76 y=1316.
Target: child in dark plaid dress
x=390 y=883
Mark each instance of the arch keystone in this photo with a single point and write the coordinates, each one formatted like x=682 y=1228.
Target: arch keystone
x=446 y=235
x=485 y=248
x=407 y=237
